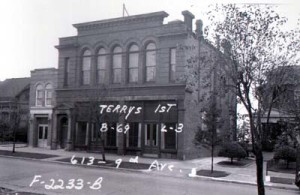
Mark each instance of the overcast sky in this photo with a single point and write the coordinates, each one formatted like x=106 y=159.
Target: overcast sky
x=31 y=28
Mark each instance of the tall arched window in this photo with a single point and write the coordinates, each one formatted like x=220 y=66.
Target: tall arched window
x=39 y=95
x=101 y=66
x=117 y=64
x=86 y=67
x=150 y=62
x=48 y=94
x=133 y=66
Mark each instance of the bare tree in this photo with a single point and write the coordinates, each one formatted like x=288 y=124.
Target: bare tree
x=96 y=117
x=208 y=136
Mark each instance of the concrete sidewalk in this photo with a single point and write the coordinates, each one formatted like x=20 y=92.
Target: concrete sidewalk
x=169 y=167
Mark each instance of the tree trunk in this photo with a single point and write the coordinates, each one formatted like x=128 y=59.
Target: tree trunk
x=14 y=141
x=102 y=150
x=257 y=150
x=259 y=171
x=212 y=158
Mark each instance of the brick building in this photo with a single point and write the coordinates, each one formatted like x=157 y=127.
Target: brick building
x=126 y=80
x=42 y=100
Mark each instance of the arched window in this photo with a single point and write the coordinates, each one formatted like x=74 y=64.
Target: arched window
x=150 y=62
x=117 y=64
x=39 y=95
x=101 y=66
x=48 y=94
x=86 y=67
x=133 y=66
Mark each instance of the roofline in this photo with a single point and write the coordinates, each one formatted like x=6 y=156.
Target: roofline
x=161 y=14
x=41 y=69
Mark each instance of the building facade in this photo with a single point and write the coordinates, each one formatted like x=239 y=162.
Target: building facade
x=285 y=109
x=43 y=83
x=125 y=85
x=14 y=98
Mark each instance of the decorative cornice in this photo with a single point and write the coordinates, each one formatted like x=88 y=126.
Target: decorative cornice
x=156 y=16
x=67 y=46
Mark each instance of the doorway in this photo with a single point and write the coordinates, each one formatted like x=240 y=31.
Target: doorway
x=151 y=138
x=63 y=132
x=42 y=136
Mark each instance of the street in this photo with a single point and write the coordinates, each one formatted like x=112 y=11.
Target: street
x=47 y=178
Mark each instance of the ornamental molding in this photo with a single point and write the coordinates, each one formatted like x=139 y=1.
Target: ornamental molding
x=144 y=18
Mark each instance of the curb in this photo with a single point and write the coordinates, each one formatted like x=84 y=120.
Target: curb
x=244 y=183
x=78 y=165
x=146 y=171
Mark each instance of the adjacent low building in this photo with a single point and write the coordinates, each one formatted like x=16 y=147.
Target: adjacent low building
x=43 y=83
x=14 y=98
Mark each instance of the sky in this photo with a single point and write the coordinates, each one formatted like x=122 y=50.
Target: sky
x=31 y=28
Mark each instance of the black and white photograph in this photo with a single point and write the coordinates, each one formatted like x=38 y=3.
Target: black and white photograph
x=131 y=97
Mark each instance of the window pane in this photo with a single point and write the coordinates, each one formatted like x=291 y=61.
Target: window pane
x=87 y=53
x=133 y=60
x=40 y=132
x=39 y=95
x=117 y=76
x=46 y=133
x=117 y=61
x=48 y=97
x=117 y=50
x=86 y=63
x=151 y=46
x=133 y=134
x=133 y=75
x=150 y=62
x=173 y=56
x=172 y=64
x=48 y=94
x=101 y=66
x=150 y=73
x=170 y=136
x=86 y=77
x=151 y=58
x=117 y=65
x=86 y=66
x=101 y=76
x=101 y=62
x=134 y=48
x=101 y=51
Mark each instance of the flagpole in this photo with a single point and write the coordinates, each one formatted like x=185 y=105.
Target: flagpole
x=123 y=9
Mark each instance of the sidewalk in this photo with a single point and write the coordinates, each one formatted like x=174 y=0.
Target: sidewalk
x=169 y=167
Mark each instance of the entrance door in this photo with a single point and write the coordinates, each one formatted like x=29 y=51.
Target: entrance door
x=151 y=138
x=63 y=132
x=43 y=135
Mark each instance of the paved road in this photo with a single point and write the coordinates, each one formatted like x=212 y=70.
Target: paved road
x=19 y=174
